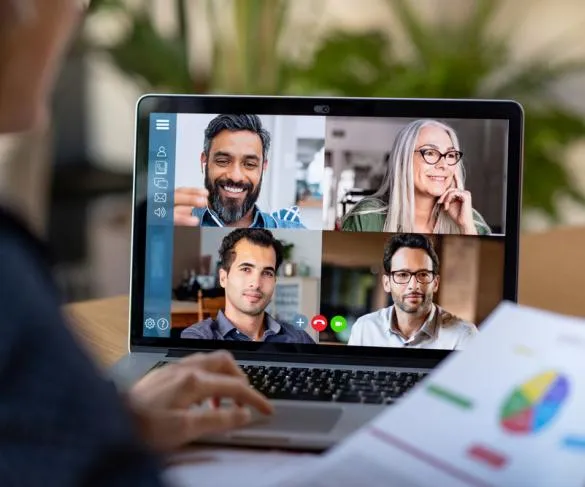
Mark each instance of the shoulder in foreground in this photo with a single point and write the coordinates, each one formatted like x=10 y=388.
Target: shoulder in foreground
x=450 y=321
x=480 y=224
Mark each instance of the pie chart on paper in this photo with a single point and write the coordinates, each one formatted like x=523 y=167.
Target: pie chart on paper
x=534 y=404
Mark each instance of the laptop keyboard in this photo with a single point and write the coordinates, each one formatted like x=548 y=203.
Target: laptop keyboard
x=314 y=384
x=331 y=385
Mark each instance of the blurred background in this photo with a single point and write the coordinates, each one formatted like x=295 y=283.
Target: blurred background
x=73 y=180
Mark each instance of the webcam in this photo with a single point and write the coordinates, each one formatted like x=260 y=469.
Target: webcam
x=323 y=109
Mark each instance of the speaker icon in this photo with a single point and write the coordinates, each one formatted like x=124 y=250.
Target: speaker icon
x=160 y=212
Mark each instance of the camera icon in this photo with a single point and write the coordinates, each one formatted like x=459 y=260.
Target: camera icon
x=322 y=109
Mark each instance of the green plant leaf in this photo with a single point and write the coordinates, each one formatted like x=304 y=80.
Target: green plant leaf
x=548 y=132
x=345 y=64
x=97 y=5
x=414 y=28
x=530 y=79
x=153 y=59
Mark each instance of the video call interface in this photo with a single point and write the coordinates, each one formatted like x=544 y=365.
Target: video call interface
x=338 y=231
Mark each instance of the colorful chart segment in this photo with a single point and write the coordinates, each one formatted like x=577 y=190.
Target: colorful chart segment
x=530 y=407
x=574 y=442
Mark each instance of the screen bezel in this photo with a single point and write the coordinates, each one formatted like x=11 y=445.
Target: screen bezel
x=318 y=106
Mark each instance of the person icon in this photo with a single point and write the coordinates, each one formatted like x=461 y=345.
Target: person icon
x=162 y=152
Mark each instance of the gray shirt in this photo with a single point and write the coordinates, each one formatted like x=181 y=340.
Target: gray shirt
x=441 y=330
x=222 y=328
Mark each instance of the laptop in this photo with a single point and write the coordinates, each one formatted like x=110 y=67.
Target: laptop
x=313 y=260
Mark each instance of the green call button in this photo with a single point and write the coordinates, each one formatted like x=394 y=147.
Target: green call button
x=338 y=323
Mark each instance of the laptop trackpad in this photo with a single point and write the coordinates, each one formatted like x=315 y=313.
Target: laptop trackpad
x=298 y=419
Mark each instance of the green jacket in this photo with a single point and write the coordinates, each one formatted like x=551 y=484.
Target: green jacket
x=374 y=222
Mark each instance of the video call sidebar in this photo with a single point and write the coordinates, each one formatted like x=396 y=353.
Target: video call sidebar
x=159 y=228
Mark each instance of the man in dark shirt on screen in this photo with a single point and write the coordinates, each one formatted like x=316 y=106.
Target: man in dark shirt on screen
x=249 y=261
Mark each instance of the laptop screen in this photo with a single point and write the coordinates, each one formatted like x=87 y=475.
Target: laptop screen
x=337 y=231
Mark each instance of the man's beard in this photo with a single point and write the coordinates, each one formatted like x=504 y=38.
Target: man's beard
x=230 y=210
x=255 y=310
x=423 y=305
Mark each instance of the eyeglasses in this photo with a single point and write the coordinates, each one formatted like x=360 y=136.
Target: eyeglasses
x=433 y=156
x=404 y=277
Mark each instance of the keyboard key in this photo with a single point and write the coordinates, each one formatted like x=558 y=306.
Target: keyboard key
x=348 y=397
x=374 y=400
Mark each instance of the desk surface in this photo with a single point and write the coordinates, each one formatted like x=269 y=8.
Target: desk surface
x=545 y=271
x=102 y=325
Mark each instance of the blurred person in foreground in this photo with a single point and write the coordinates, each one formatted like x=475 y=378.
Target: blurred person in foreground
x=61 y=423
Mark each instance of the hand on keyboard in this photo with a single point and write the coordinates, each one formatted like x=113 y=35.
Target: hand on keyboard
x=163 y=400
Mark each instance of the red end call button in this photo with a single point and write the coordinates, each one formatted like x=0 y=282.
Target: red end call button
x=319 y=323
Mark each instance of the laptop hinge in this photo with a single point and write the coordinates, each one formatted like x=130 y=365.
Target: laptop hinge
x=317 y=359
x=178 y=353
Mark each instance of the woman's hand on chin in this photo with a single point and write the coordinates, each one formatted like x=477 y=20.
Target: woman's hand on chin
x=457 y=204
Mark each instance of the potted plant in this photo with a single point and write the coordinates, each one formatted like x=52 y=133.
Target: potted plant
x=289 y=267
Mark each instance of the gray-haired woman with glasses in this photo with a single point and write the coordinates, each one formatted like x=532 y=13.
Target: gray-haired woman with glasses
x=423 y=189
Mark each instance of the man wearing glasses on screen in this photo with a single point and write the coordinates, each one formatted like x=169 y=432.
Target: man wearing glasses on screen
x=233 y=162
x=411 y=276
